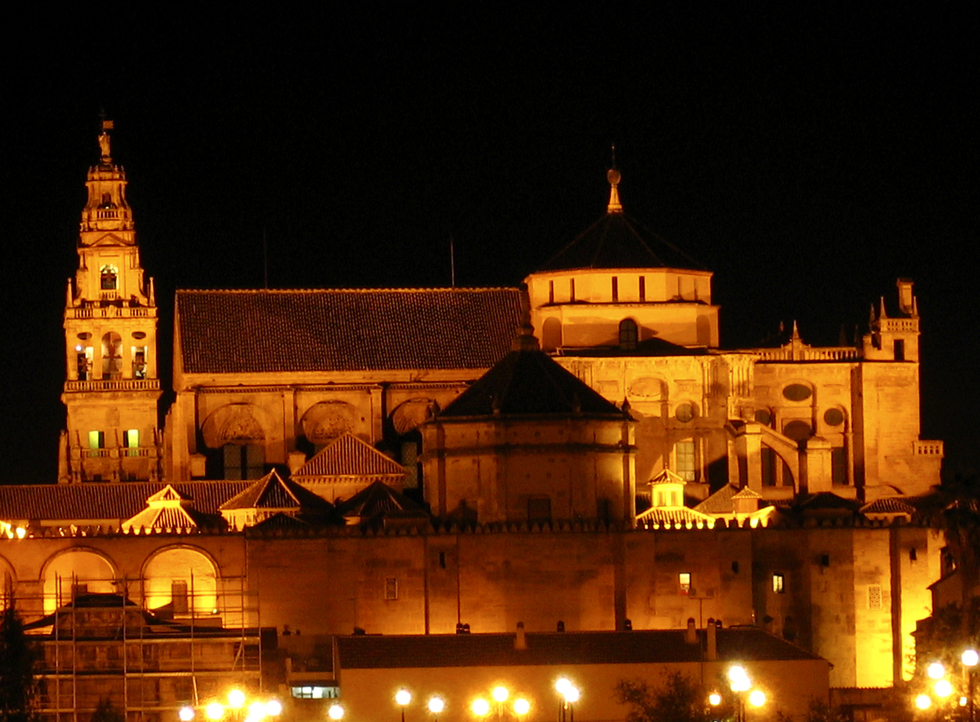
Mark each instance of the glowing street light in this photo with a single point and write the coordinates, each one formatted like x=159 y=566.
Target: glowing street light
x=403 y=698
x=970 y=658
x=943 y=688
x=521 y=706
x=757 y=698
x=336 y=712
x=923 y=701
x=714 y=699
x=500 y=694
x=186 y=714
x=215 y=711
x=568 y=695
x=480 y=707
x=436 y=705
x=936 y=670
x=236 y=699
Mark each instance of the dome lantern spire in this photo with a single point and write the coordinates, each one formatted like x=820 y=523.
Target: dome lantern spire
x=613 y=176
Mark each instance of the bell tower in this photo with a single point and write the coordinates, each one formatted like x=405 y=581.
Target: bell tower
x=111 y=387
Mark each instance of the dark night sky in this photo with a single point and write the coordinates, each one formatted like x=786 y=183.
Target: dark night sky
x=807 y=159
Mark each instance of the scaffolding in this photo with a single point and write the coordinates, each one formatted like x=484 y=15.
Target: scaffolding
x=104 y=642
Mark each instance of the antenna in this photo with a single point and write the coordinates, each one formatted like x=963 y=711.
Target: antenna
x=265 y=260
x=452 y=262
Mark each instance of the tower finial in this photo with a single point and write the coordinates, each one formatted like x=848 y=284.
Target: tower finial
x=613 y=176
x=106 y=126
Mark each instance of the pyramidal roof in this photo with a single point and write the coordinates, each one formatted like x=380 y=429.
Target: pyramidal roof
x=616 y=241
x=348 y=455
x=528 y=381
x=273 y=492
x=667 y=477
x=166 y=509
x=378 y=499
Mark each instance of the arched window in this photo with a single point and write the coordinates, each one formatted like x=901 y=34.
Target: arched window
x=628 y=334
x=110 y=278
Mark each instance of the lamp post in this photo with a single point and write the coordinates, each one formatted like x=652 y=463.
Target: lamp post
x=970 y=659
x=403 y=698
x=568 y=694
x=740 y=683
x=436 y=705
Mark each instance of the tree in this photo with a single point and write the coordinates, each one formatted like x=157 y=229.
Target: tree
x=18 y=690
x=679 y=699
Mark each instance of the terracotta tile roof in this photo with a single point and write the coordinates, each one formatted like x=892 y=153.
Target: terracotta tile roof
x=528 y=382
x=888 y=506
x=345 y=330
x=348 y=455
x=558 y=648
x=659 y=516
x=68 y=502
x=614 y=241
x=720 y=502
x=273 y=492
x=377 y=500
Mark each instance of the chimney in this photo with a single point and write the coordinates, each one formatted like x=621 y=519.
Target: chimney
x=691 y=635
x=711 y=654
x=520 y=641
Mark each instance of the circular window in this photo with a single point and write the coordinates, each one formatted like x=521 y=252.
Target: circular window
x=797 y=430
x=139 y=334
x=85 y=335
x=797 y=392
x=763 y=416
x=684 y=413
x=833 y=417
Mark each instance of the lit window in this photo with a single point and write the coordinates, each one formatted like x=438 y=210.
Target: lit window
x=131 y=440
x=96 y=440
x=778 y=583
x=391 y=588
x=684 y=582
x=684 y=460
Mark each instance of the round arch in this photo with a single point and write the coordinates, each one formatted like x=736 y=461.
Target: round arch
x=183 y=578
x=84 y=569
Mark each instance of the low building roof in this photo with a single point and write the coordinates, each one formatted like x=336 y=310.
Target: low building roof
x=557 y=648
x=344 y=330
x=69 y=502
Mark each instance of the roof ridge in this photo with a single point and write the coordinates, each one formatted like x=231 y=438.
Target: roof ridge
x=391 y=289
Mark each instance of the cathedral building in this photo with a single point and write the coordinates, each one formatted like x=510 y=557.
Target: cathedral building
x=579 y=453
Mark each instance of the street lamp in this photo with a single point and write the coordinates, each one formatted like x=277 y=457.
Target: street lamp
x=336 y=712
x=403 y=698
x=436 y=705
x=970 y=659
x=521 y=707
x=480 y=707
x=186 y=714
x=568 y=695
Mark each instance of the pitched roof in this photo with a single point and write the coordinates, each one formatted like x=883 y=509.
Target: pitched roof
x=378 y=499
x=528 y=382
x=495 y=650
x=167 y=509
x=274 y=492
x=666 y=477
x=659 y=516
x=890 y=505
x=345 y=330
x=69 y=502
x=348 y=455
x=615 y=241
